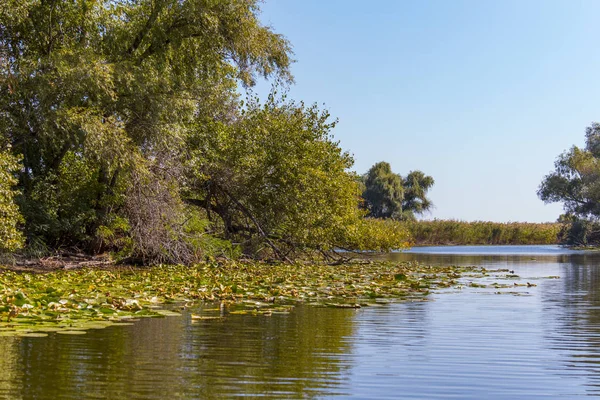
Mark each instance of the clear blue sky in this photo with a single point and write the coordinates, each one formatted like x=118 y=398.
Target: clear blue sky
x=483 y=95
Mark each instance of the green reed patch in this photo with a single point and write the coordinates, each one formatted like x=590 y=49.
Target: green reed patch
x=453 y=232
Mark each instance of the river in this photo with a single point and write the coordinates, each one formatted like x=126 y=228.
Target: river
x=541 y=341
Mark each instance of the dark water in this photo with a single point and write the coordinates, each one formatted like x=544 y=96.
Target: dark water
x=530 y=342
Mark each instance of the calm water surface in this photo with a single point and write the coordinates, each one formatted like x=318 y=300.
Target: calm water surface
x=536 y=342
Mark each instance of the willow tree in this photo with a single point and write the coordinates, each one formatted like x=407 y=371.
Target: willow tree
x=415 y=202
x=97 y=95
x=383 y=191
x=389 y=195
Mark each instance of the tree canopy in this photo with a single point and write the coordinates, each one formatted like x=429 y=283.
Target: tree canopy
x=575 y=182
x=132 y=137
x=389 y=195
x=10 y=237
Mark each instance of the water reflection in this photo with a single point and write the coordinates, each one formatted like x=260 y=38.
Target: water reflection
x=296 y=355
x=526 y=342
x=498 y=259
x=572 y=330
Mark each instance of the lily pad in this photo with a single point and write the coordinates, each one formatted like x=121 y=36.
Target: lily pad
x=33 y=334
x=205 y=318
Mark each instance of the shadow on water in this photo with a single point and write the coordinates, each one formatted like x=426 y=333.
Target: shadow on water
x=295 y=355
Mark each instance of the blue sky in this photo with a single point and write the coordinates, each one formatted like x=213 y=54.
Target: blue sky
x=483 y=95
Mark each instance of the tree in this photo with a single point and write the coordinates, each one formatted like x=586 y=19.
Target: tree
x=92 y=93
x=575 y=182
x=276 y=180
x=127 y=118
x=389 y=195
x=383 y=192
x=416 y=185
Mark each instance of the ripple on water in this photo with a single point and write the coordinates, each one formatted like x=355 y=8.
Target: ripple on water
x=464 y=344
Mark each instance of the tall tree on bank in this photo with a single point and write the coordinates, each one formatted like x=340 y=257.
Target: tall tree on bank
x=96 y=94
x=416 y=185
x=133 y=140
x=389 y=195
x=575 y=182
x=383 y=192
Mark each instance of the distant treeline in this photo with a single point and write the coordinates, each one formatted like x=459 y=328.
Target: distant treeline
x=453 y=232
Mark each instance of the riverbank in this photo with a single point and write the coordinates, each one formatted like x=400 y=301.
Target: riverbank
x=80 y=299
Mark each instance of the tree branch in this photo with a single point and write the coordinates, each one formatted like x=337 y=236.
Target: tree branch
x=142 y=34
x=247 y=212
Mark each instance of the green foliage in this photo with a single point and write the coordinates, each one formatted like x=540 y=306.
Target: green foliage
x=575 y=182
x=577 y=231
x=452 y=232
x=416 y=185
x=64 y=203
x=380 y=235
x=277 y=180
x=11 y=237
x=389 y=195
x=92 y=92
x=134 y=140
x=383 y=192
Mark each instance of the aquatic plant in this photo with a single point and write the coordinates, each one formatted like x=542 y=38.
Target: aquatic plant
x=74 y=300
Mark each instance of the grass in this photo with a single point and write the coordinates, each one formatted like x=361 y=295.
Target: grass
x=453 y=232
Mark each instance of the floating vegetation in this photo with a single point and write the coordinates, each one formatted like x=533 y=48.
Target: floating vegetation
x=74 y=301
x=205 y=318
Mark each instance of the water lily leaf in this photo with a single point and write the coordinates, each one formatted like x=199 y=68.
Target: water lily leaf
x=48 y=329
x=167 y=313
x=205 y=318
x=32 y=334
x=71 y=332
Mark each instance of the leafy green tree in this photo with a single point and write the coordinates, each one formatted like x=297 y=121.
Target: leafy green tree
x=92 y=93
x=575 y=182
x=383 y=192
x=389 y=195
x=10 y=237
x=276 y=180
x=416 y=185
x=133 y=138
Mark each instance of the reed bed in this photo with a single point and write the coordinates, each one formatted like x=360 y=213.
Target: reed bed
x=454 y=232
